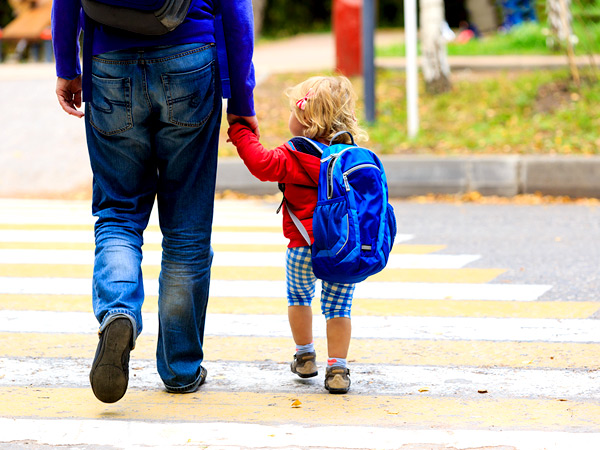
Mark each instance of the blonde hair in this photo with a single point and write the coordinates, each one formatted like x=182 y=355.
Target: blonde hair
x=329 y=104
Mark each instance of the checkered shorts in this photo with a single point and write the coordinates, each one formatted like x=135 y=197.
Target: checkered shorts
x=336 y=298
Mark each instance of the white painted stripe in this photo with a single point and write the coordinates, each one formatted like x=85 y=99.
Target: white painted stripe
x=367 y=289
x=242 y=213
x=368 y=379
x=218 y=237
x=375 y=327
x=220 y=436
x=225 y=259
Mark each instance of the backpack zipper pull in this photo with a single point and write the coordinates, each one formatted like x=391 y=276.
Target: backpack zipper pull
x=346 y=183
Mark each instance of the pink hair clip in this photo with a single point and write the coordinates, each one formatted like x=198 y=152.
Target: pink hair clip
x=301 y=104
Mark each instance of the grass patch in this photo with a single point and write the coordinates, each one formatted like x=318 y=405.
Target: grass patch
x=485 y=113
x=526 y=39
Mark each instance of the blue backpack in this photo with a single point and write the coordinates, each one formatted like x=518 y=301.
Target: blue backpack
x=354 y=225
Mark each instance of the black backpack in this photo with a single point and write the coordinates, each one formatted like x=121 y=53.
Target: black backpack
x=154 y=18
x=148 y=17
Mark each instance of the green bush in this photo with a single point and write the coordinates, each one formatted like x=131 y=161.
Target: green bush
x=6 y=13
x=287 y=18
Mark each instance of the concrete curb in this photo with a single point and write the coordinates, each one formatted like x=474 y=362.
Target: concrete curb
x=489 y=175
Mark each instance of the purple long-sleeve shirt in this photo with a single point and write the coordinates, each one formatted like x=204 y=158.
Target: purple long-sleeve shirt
x=198 y=27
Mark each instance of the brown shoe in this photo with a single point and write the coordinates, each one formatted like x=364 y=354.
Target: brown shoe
x=337 y=380
x=304 y=365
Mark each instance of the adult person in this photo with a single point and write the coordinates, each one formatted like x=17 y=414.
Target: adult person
x=152 y=114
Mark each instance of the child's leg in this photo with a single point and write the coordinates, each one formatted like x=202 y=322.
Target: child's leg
x=339 y=330
x=300 y=318
x=336 y=302
x=300 y=292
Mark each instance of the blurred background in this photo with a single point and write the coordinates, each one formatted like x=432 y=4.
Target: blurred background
x=500 y=77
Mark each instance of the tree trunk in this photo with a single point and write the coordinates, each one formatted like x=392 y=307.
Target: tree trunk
x=482 y=14
x=559 y=21
x=436 y=70
x=258 y=9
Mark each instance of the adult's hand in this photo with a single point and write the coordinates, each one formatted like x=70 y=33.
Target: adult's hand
x=250 y=121
x=69 y=95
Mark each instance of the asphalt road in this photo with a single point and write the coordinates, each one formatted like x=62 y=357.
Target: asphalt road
x=555 y=244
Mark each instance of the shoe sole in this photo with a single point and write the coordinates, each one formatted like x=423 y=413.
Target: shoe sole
x=337 y=390
x=306 y=375
x=107 y=377
x=334 y=390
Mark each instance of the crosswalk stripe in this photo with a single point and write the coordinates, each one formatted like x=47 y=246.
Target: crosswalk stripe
x=411 y=249
x=150 y=228
x=405 y=352
x=436 y=344
x=220 y=272
x=360 y=307
x=392 y=327
x=217 y=237
x=367 y=379
x=315 y=409
x=230 y=435
x=253 y=288
x=62 y=235
x=223 y=259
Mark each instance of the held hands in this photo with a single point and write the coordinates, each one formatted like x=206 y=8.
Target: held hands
x=250 y=121
x=69 y=95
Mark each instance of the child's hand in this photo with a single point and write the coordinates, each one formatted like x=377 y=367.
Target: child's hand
x=250 y=121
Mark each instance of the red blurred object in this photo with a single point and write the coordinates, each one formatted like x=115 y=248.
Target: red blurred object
x=46 y=34
x=347 y=28
x=464 y=36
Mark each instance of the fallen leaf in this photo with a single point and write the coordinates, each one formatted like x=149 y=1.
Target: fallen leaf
x=296 y=403
x=482 y=391
x=424 y=390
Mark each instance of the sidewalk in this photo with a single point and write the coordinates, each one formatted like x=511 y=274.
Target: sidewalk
x=417 y=175
x=43 y=151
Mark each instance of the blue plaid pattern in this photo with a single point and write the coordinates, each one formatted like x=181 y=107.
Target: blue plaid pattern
x=336 y=298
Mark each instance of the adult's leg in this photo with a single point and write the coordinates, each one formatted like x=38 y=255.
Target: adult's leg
x=183 y=84
x=124 y=187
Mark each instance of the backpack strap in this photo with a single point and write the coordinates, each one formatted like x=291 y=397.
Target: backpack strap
x=299 y=225
x=340 y=133
x=221 y=51
x=306 y=145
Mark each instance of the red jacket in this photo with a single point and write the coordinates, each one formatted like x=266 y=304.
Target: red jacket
x=298 y=171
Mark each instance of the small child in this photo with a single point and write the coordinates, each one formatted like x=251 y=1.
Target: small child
x=321 y=107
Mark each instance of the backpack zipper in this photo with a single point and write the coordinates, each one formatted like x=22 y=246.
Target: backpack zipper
x=333 y=158
x=349 y=171
x=347 y=235
x=329 y=177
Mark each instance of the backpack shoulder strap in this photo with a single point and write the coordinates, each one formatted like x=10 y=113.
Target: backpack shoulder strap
x=308 y=146
x=299 y=225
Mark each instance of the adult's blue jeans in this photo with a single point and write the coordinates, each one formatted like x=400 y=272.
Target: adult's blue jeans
x=152 y=132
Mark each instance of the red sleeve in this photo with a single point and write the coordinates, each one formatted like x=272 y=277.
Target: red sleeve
x=280 y=164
